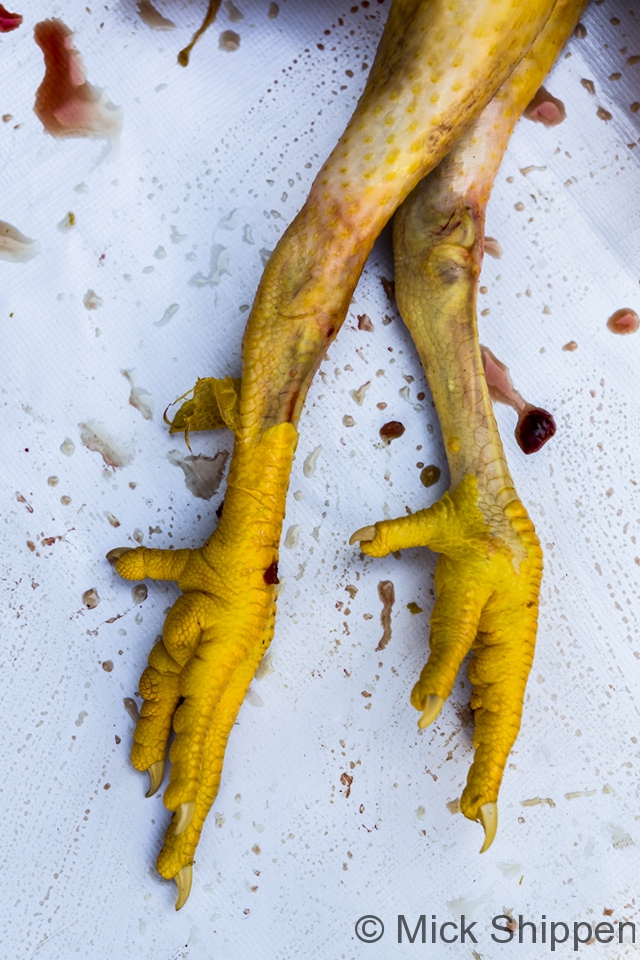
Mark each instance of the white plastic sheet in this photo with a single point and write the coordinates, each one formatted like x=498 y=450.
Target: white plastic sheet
x=333 y=805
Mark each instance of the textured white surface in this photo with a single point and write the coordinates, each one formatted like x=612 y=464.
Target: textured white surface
x=213 y=162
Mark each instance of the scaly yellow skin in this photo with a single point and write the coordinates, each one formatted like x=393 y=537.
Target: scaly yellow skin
x=490 y=566
x=438 y=64
x=213 y=639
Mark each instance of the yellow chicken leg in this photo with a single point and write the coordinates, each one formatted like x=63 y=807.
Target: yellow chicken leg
x=437 y=65
x=488 y=573
x=213 y=639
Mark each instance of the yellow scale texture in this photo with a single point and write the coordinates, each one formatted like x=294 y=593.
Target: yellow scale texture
x=438 y=65
x=488 y=574
x=214 y=636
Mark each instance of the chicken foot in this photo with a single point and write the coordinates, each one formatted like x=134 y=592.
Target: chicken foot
x=437 y=66
x=490 y=565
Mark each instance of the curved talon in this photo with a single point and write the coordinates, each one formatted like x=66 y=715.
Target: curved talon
x=114 y=555
x=366 y=534
x=184 y=815
x=488 y=817
x=156 y=773
x=183 y=880
x=432 y=707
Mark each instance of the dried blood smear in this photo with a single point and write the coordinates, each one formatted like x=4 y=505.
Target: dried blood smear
x=66 y=104
x=535 y=426
x=9 y=21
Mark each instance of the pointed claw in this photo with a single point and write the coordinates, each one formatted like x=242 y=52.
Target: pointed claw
x=184 y=813
x=364 y=533
x=183 y=881
x=488 y=817
x=432 y=707
x=156 y=773
x=114 y=555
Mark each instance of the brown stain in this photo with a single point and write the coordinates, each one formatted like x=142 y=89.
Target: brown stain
x=391 y=430
x=66 y=104
x=49 y=541
x=465 y=715
x=21 y=499
x=387 y=594
x=364 y=322
x=430 y=475
x=346 y=780
x=212 y=9
x=545 y=109
x=389 y=288
x=623 y=321
x=152 y=17
x=589 y=86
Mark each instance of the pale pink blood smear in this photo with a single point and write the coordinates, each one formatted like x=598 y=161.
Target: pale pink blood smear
x=492 y=247
x=546 y=109
x=535 y=426
x=499 y=381
x=623 y=321
x=9 y=21
x=66 y=104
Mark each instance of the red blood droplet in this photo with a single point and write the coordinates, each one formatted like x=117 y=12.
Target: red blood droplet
x=9 y=21
x=391 y=430
x=535 y=427
x=271 y=574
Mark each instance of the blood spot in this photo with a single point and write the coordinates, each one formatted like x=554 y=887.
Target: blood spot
x=66 y=104
x=623 y=321
x=9 y=21
x=391 y=430
x=535 y=427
